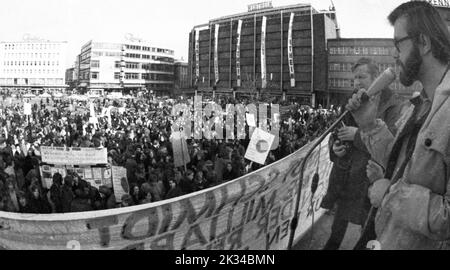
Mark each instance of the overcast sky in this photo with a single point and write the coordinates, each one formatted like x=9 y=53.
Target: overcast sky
x=164 y=23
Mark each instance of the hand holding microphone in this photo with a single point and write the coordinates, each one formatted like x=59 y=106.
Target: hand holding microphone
x=364 y=104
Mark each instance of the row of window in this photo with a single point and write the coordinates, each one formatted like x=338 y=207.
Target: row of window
x=107 y=46
x=31 y=46
x=158 y=67
x=361 y=50
x=145 y=76
x=347 y=67
x=143 y=48
x=153 y=57
x=132 y=65
x=133 y=76
x=349 y=84
x=31 y=55
x=108 y=54
x=95 y=63
x=85 y=56
x=154 y=67
x=30 y=71
x=340 y=83
x=31 y=81
x=31 y=63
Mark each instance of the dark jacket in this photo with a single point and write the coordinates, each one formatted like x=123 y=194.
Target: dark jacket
x=109 y=200
x=66 y=198
x=39 y=206
x=200 y=184
x=81 y=205
x=81 y=189
x=174 y=192
x=25 y=209
x=229 y=175
x=56 y=197
x=186 y=185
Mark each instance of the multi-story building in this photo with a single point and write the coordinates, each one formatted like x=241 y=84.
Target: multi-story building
x=279 y=51
x=71 y=78
x=181 y=69
x=33 y=64
x=129 y=66
x=344 y=53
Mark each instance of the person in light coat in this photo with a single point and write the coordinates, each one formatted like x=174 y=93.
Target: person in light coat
x=413 y=197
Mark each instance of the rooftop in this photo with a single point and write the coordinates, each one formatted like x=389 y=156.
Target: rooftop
x=258 y=12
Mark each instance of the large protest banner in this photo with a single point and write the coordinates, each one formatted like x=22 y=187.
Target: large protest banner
x=252 y=212
x=73 y=155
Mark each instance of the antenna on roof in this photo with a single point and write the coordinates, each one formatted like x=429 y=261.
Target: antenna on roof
x=332 y=8
x=334 y=17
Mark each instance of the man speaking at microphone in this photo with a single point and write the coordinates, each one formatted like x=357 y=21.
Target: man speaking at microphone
x=348 y=182
x=413 y=198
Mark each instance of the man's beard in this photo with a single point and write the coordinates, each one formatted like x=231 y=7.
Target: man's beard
x=410 y=70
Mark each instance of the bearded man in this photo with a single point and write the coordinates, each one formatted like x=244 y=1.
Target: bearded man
x=413 y=196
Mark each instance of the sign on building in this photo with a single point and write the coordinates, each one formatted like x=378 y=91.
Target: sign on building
x=437 y=3
x=260 y=6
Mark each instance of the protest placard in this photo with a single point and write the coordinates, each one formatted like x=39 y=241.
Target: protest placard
x=180 y=151
x=27 y=108
x=119 y=182
x=259 y=146
x=91 y=110
x=251 y=119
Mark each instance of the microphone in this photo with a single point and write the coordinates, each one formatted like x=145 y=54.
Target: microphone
x=384 y=80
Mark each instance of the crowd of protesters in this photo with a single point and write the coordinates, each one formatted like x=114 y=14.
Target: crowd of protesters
x=137 y=137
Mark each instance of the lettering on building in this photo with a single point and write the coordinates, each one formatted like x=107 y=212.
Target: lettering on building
x=260 y=6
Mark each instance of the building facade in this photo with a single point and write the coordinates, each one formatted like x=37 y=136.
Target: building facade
x=129 y=66
x=71 y=78
x=344 y=53
x=33 y=65
x=278 y=51
x=181 y=75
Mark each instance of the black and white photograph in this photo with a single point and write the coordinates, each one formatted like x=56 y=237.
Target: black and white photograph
x=215 y=125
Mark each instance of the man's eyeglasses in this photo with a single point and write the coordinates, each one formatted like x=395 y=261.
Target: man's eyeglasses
x=397 y=42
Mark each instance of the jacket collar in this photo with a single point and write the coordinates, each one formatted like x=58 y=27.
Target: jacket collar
x=441 y=95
